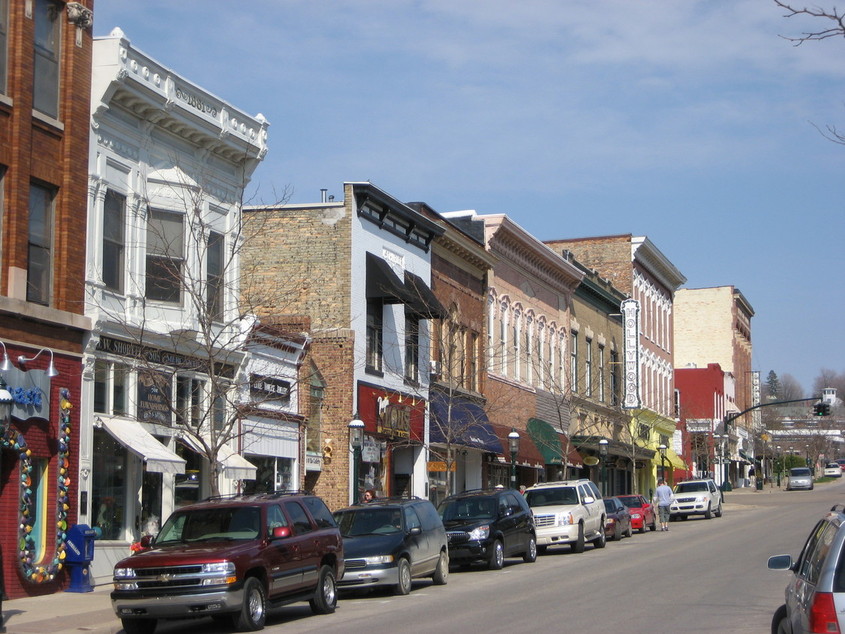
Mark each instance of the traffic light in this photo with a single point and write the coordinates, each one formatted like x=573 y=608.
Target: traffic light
x=821 y=409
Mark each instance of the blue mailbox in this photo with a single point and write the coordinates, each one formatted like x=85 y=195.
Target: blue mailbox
x=79 y=552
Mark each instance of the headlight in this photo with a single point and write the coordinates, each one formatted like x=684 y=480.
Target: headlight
x=223 y=573
x=121 y=579
x=564 y=519
x=635 y=516
x=378 y=559
x=124 y=573
x=479 y=534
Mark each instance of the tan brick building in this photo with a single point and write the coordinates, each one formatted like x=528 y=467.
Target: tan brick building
x=360 y=268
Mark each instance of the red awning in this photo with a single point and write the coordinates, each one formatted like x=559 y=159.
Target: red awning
x=528 y=455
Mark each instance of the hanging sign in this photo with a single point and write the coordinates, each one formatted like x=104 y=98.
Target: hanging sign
x=631 y=332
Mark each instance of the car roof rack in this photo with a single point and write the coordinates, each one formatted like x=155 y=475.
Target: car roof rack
x=262 y=495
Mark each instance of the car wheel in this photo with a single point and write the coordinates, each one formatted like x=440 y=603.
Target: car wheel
x=718 y=511
x=601 y=540
x=441 y=573
x=404 y=585
x=325 y=599
x=497 y=556
x=617 y=533
x=578 y=544
x=254 y=609
x=630 y=531
x=780 y=622
x=653 y=526
x=708 y=514
x=139 y=626
x=530 y=555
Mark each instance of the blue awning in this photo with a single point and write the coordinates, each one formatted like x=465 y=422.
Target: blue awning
x=459 y=421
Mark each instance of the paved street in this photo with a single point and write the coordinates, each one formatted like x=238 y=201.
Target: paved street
x=702 y=576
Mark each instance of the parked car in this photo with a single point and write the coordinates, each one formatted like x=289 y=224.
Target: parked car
x=230 y=558
x=696 y=497
x=488 y=525
x=618 y=522
x=391 y=541
x=642 y=512
x=817 y=580
x=833 y=470
x=567 y=512
x=799 y=478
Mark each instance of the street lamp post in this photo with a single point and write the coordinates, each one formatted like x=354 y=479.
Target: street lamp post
x=807 y=457
x=662 y=448
x=356 y=440
x=779 y=464
x=603 y=455
x=726 y=463
x=6 y=401
x=513 y=445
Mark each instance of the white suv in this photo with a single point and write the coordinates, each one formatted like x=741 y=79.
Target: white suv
x=567 y=512
x=696 y=497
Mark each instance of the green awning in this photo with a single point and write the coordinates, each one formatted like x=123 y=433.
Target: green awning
x=546 y=439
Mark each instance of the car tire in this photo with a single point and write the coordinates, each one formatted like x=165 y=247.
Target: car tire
x=578 y=545
x=530 y=555
x=708 y=514
x=653 y=526
x=254 y=609
x=325 y=597
x=441 y=573
x=617 y=534
x=497 y=556
x=139 y=626
x=630 y=532
x=780 y=621
x=404 y=575
x=601 y=540
x=718 y=511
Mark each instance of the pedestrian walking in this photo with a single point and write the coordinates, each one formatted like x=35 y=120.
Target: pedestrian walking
x=662 y=500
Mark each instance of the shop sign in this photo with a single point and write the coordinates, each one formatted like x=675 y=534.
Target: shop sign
x=160 y=357
x=371 y=450
x=313 y=462
x=631 y=332
x=269 y=388
x=391 y=414
x=393 y=419
x=439 y=465
x=154 y=397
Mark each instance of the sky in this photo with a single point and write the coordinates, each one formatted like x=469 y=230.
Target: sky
x=695 y=123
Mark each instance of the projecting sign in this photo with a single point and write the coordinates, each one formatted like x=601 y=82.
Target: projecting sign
x=631 y=330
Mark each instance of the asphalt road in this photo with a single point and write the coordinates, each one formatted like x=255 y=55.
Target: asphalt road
x=701 y=576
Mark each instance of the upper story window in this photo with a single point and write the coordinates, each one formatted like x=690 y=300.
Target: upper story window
x=315 y=414
x=588 y=367
x=48 y=37
x=165 y=256
x=375 y=333
x=111 y=388
x=189 y=399
x=114 y=215
x=412 y=348
x=215 y=272
x=4 y=38
x=40 y=266
x=573 y=361
x=614 y=377
x=602 y=395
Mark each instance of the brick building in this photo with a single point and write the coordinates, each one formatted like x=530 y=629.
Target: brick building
x=360 y=268
x=635 y=266
x=528 y=385
x=45 y=65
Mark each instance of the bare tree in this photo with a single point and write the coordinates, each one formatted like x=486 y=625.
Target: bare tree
x=835 y=21
x=790 y=388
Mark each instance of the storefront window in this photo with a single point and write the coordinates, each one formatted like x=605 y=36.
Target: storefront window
x=39 y=507
x=273 y=474
x=188 y=485
x=109 y=486
x=151 y=503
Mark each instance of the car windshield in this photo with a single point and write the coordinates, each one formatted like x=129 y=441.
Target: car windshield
x=474 y=508
x=552 y=496
x=369 y=521
x=799 y=471
x=631 y=502
x=210 y=524
x=833 y=465
x=690 y=487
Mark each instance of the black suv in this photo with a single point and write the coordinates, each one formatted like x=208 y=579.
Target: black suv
x=488 y=525
x=231 y=558
x=392 y=540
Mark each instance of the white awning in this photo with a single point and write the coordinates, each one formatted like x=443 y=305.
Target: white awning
x=232 y=465
x=140 y=442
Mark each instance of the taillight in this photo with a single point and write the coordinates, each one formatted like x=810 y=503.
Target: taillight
x=823 y=614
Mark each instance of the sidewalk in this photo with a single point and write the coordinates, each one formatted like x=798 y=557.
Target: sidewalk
x=62 y=613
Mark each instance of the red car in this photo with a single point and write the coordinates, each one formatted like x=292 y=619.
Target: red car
x=642 y=512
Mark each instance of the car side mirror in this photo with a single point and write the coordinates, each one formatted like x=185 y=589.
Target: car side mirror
x=589 y=499
x=147 y=541
x=780 y=562
x=280 y=532
x=416 y=530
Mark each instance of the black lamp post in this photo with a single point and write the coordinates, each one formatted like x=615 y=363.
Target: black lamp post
x=603 y=457
x=807 y=457
x=726 y=479
x=779 y=464
x=6 y=401
x=662 y=449
x=513 y=445
x=356 y=440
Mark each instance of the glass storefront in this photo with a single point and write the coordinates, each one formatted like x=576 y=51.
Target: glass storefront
x=273 y=474
x=108 y=492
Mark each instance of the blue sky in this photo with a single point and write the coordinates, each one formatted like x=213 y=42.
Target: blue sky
x=690 y=122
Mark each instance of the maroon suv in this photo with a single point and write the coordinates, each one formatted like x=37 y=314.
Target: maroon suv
x=232 y=558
